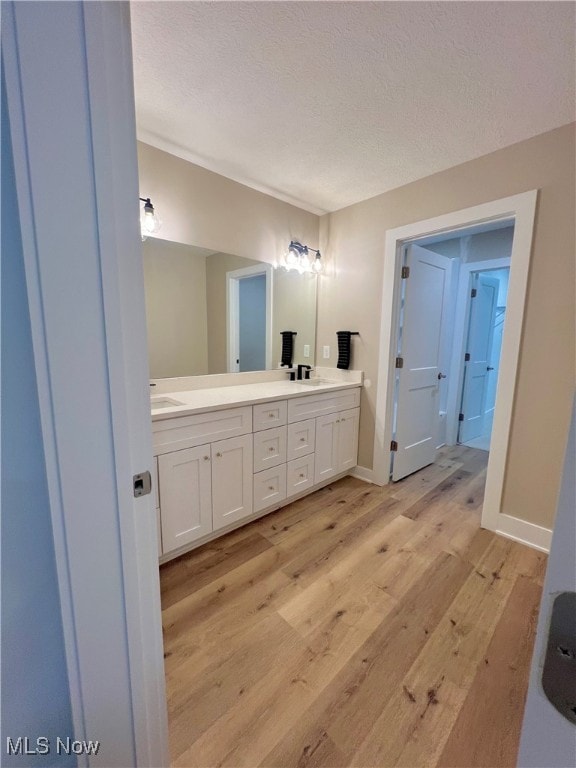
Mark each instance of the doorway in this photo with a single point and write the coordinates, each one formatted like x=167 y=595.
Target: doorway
x=249 y=318
x=517 y=211
x=428 y=360
x=485 y=326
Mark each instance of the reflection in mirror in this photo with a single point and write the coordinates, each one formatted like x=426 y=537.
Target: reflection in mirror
x=210 y=312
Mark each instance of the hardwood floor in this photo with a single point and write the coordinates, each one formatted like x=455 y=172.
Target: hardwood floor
x=359 y=626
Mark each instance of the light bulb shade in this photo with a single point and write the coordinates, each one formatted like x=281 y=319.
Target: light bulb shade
x=292 y=258
x=298 y=257
x=149 y=221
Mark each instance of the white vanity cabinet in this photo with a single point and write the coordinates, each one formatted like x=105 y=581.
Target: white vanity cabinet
x=186 y=496
x=336 y=443
x=231 y=480
x=218 y=468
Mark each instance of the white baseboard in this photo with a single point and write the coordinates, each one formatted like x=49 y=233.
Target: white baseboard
x=535 y=536
x=363 y=473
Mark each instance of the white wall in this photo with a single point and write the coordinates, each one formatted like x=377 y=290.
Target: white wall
x=350 y=295
x=176 y=315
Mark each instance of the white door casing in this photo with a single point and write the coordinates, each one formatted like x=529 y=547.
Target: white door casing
x=425 y=305
x=68 y=71
x=484 y=299
x=519 y=209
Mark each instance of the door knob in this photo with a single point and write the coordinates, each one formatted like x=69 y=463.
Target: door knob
x=489 y=367
x=441 y=376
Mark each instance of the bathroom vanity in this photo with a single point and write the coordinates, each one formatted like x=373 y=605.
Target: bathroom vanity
x=226 y=455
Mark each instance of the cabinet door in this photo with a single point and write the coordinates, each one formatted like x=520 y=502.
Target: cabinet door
x=231 y=480
x=185 y=496
x=348 y=422
x=326 y=458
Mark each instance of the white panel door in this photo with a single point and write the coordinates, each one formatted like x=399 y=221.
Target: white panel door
x=326 y=457
x=232 y=480
x=348 y=423
x=426 y=304
x=185 y=496
x=479 y=347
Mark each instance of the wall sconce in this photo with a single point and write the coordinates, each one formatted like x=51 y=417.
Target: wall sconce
x=149 y=221
x=298 y=258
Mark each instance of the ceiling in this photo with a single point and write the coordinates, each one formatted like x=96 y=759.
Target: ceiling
x=324 y=104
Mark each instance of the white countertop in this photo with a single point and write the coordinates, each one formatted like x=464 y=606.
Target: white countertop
x=217 y=398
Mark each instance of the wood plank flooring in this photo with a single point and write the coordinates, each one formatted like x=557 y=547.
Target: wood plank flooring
x=359 y=626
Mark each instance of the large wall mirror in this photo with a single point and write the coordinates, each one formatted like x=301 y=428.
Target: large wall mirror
x=213 y=312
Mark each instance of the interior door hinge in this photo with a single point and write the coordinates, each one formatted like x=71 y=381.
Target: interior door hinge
x=399 y=362
x=460 y=417
x=473 y=293
x=467 y=357
x=405 y=272
x=393 y=445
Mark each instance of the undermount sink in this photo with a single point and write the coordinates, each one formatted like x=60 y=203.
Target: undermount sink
x=315 y=382
x=163 y=402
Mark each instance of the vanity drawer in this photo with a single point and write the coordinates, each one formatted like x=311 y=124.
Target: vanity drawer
x=268 y=415
x=299 y=475
x=269 y=487
x=200 y=428
x=269 y=448
x=306 y=407
x=301 y=438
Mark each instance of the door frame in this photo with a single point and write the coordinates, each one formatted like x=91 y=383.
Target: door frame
x=521 y=208
x=91 y=363
x=233 y=311
x=460 y=330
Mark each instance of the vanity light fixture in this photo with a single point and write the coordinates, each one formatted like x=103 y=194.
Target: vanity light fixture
x=298 y=258
x=149 y=221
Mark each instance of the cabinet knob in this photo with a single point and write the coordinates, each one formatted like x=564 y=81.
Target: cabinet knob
x=270 y=415
x=206 y=458
x=271 y=449
x=302 y=439
x=337 y=421
x=270 y=487
x=218 y=455
x=302 y=474
x=342 y=419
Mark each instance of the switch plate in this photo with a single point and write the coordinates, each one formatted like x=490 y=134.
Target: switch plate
x=306 y=350
x=326 y=352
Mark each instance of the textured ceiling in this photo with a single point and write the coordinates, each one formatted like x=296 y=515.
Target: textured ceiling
x=324 y=104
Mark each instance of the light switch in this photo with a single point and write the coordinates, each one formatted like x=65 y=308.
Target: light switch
x=306 y=350
x=326 y=352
